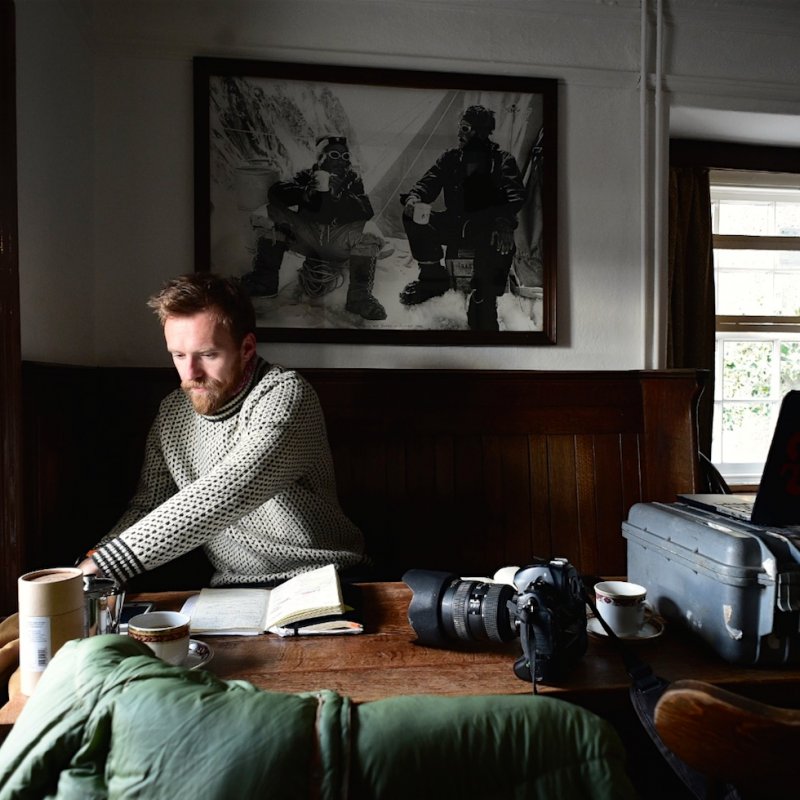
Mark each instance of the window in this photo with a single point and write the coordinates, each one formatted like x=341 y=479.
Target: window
x=756 y=227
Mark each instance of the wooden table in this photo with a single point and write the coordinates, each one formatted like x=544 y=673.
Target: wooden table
x=386 y=661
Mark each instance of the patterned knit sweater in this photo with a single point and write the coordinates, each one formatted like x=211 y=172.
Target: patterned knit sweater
x=253 y=484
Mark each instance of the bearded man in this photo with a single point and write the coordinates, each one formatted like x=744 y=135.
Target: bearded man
x=237 y=462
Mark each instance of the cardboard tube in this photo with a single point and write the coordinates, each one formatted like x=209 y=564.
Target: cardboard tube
x=51 y=612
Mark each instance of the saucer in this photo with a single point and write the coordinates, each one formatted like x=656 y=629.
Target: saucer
x=199 y=655
x=651 y=629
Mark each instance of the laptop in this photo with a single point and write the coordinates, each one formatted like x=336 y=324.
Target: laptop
x=778 y=499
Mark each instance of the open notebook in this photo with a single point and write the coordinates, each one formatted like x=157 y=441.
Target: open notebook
x=778 y=498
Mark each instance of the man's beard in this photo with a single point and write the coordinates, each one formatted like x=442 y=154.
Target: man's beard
x=216 y=393
x=208 y=401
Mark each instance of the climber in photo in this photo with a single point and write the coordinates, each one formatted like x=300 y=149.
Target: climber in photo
x=323 y=214
x=482 y=190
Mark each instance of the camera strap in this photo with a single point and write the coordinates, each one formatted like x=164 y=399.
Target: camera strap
x=645 y=690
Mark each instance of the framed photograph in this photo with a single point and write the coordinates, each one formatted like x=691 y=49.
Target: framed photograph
x=379 y=206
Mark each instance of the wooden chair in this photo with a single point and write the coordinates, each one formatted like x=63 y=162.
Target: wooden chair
x=731 y=739
x=712 y=478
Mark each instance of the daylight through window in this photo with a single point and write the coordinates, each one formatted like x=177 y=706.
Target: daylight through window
x=756 y=226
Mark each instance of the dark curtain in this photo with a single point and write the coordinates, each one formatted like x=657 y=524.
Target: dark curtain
x=691 y=315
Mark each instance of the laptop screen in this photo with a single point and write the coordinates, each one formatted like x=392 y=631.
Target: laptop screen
x=778 y=498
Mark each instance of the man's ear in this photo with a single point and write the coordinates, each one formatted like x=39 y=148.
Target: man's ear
x=248 y=348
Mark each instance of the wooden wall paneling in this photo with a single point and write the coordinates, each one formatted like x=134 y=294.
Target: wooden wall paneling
x=492 y=496
x=588 y=483
x=368 y=460
x=126 y=404
x=632 y=479
x=396 y=472
x=562 y=500
x=443 y=454
x=670 y=434
x=610 y=502
x=362 y=484
x=461 y=470
x=539 y=495
x=470 y=520
x=61 y=477
x=427 y=523
x=448 y=513
x=343 y=468
x=516 y=487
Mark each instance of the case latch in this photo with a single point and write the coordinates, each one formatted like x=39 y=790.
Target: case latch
x=788 y=591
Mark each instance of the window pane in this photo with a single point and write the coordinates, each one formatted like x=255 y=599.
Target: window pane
x=746 y=432
x=758 y=282
x=746 y=370
x=740 y=292
x=790 y=366
x=787 y=219
x=745 y=218
x=787 y=294
x=755 y=370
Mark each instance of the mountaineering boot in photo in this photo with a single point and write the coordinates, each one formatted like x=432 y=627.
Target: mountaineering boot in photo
x=433 y=281
x=360 y=299
x=263 y=280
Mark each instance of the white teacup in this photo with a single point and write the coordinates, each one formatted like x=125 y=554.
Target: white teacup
x=322 y=180
x=622 y=605
x=166 y=633
x=422 y=213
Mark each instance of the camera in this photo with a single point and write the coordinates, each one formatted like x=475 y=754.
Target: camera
x=545 y=608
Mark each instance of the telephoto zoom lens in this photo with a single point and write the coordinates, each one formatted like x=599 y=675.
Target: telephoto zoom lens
x=476 y=611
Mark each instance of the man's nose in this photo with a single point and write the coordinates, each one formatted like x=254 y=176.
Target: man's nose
x=194 y=368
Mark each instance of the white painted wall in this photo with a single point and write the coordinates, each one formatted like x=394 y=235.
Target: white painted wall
x=55 y=140
x=105 y=148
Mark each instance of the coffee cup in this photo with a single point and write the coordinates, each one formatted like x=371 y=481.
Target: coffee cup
x=322 y=180
x=166 y=633
x=622 y=605
x=422 y=213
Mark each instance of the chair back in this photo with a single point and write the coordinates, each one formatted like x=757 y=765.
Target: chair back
x=731 y=739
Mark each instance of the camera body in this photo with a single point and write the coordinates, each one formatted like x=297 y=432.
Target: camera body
x=545 y=608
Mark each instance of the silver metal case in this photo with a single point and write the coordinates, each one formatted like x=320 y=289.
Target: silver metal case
x=734 y=584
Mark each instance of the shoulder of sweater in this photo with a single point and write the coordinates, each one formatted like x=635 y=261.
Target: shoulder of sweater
x=276 y=374
x=176 y=400
x=276 y=378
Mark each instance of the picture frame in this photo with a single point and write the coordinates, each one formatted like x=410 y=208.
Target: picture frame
x=331 y=191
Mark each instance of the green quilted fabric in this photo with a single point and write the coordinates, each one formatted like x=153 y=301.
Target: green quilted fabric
x=109 y=720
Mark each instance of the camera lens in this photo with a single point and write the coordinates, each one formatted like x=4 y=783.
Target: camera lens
x=475 y=611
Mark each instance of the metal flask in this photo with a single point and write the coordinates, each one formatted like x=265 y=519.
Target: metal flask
x=103 y=598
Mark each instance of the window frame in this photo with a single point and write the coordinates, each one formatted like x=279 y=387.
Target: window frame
x=772 y=329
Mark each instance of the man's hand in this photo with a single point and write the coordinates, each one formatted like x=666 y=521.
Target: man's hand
x=503 y=240
x=88 y=567
x=336 y=184
x=261 y=223
x=408 y=208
